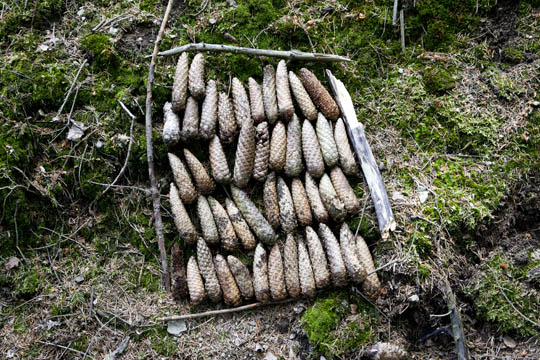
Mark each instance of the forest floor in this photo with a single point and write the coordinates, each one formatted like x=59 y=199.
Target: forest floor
x=454 y=122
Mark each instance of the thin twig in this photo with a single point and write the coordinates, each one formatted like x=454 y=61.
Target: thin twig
x=62 y=347
x=57 y=117
x=385 y=266
x=291 y=55
x=150 y=153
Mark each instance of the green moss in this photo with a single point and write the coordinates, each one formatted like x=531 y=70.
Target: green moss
x=39 y=15
x=28 y=282
x=101 y=52
x=438 y=80
x=512 y=55
x=165 y=346
x=322 y=318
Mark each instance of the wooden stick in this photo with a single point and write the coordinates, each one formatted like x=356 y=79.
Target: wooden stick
x=224 y=311
x=402 y=29
x=355 y=130
x=291 y=55
x=57 y=117
x=150 y=154
x=455 y=319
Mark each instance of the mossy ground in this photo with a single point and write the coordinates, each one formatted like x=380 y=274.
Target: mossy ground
x=456 y=116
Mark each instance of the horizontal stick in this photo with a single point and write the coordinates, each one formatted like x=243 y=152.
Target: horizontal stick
x=291 y=54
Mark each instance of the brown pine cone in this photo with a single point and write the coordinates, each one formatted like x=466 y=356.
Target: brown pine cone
x=218 y=161
x=208 y=271
x=179 y=89
x=224 y=226
x=183 y=223
x=197 y=294
x=350 y=255
x=371 y=284
x=196 y=77
x=312 y=151
x=278 y=147
x=302 y=98
x=301 y=202
x=231 y=293
x=317 y=206
x=318 y=259
x=346 y=156
x=276 y=279
x=240 y=102
x=331 y=201
x=179 y=281
x=245 y=154
x=290 y=266
x=262 y=151
x=171 y=125
x=260 y=275
x=242 y=277
x=209 y=111
x=293 y=157
x=320 y=96
x=283 y=92
x=344 y=191
x=241 y=228
x=326 y=141
x=287 y=216
x=269 y=94
x=207 y=222
x=256 y=100
x=186 y=190
x=204 y=182
x=305 y=271
x=270 y=199
x=338 y=271
x=227 y=128
x=190 y=123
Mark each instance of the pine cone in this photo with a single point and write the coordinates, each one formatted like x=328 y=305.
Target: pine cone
x=179 y=281
x=371 y=284
x=256 y=100
x=290 y=266
x=302 y=98
x=287 y=216
x=387 y=351
x=346 y=156
x=318 y=259
x=181 y=218
x=171 y=125
x=179 y=89
x=338 y=271
x=204 y=182
x=209 y=112
x=275 y=274
x=227 y=123
x=331 y=202
x=278 y=147
x=301 y=202
x=245 y=154
x=190 y=124
x=344 y=191
x=186 y=190
x=326 y=141
x=312 y=150
x=197 y=294
x=260 y=274
x=231 y=293
x=317 y=206
x=218 y=161
x=253 y=217
x=320 y=96
x=262 y=151
x=224 y=226
x=207 y=222
x=242 y=277
x=269 y=94
x=240 y=102
x=241 y=228
x=305 y=272
x=350 y=255
x=270 y=199
x=293 y=157
x=196 y=77
x=283 y=92
x=208 y=271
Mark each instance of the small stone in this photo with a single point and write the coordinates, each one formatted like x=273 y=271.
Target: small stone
x=292 y=336
x=354 y=309
x=176 y=327
x=270 y=356
x=322 y=358
x=423 y=194
x=79 y=279
x=212 y=21
x=535 y=103
x=237 y=342
x=509 y=342
x=12 y=263
x=413 y=298
x=298 y=309
x=535 y=255
x=258 y=348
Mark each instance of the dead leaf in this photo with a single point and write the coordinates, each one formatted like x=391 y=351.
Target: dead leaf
x=12 y=263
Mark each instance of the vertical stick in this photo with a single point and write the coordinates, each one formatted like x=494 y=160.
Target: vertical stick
x=394 y=13
x=402 y=26
x=150 y=154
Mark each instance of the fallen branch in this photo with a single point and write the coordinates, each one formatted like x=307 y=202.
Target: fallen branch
x=150 y=154
x=57 y=117
x=455 y=319
x=224 y=311
x=291 y=55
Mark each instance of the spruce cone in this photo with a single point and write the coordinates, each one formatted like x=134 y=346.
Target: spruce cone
x=171 y=125
x=197 y=294
x=305 y=272
x=350 y=255
x=301 y=202
x=346 y=156
x=240 y=102
x=270 y=199
x=387 y=351
x=207 y=222
x=179 y=281
x=218 y=161
x=227 y=123
x=338 y=271
x=204 y=182
x=241 y=228
x=242 y=277
x=196 y=77
x=186 y=190
x=209 y=111
x=275 y=274
x=245 y=154
x=262 y=152
x=190 y=124
x=317 y=206
x=344 y=191
x=181 y=218
x=293 y=157
x=260 y=274
x=331 y=202
x=287 y=216
x=256 y=100
x=302 y=98
x=231 y=293
x=278 y=147
x=371 y=284
x=319 y=94
x=253 y=217
x=208 y=271
x=179 y=88
x=283 y=92
x=318 y=259
x=312 y=151
x=269 y=94
x=224 y=226
x=290 y=265
x=326 y=141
